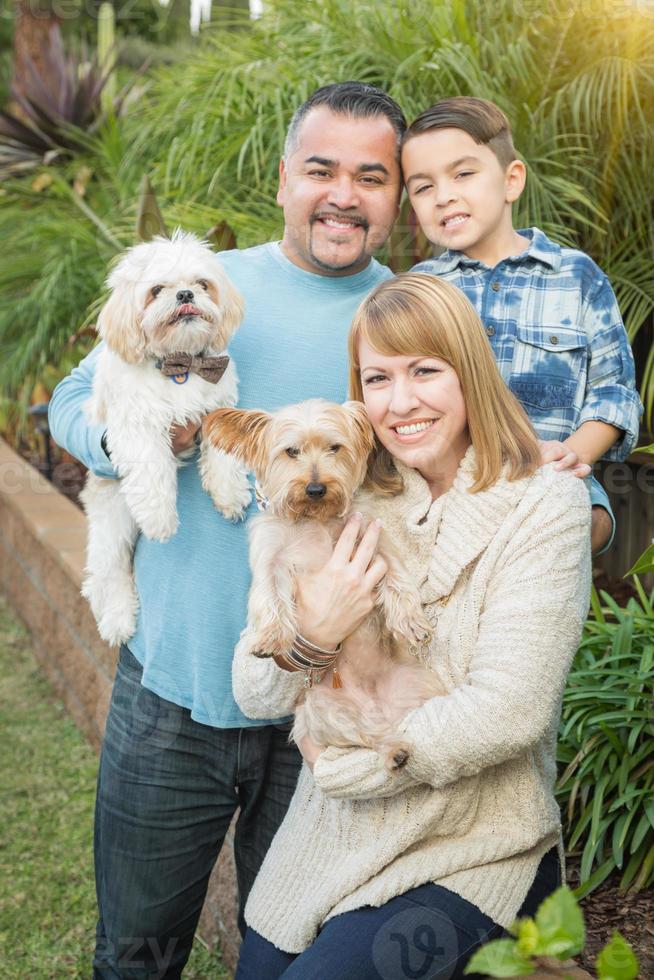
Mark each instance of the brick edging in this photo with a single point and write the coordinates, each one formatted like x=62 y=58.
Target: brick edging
x=42 y=540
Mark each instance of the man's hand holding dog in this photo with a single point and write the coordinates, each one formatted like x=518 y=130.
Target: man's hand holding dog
x=334 y=601
x=182 y=437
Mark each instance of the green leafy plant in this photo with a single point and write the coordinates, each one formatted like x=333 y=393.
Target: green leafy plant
x=606 y=745
x=6 y=56
x=586 y=182
x=48 y=116
x=53 y=119
x=210 y=129
x=645 y=564
x=547 y=941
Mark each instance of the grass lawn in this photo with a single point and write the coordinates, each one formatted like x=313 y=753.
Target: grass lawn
x=47 y=780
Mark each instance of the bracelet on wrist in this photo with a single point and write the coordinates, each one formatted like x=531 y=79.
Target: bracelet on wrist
x=312 y=675
x=311 y=659
x=313 y=650
x=299 y=659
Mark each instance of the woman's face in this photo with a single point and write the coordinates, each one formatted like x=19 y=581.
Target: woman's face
x=416 y=407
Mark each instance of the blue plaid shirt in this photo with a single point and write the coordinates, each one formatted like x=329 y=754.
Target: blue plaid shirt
x=558 y=338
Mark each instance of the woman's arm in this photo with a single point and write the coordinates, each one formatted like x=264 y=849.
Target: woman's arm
x=529 y=629
x=331 y=604
x=262 y=689
x=352 y=774
x=358 y=774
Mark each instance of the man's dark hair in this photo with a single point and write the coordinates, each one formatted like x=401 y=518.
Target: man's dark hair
x=482 y=120
x=348 y=99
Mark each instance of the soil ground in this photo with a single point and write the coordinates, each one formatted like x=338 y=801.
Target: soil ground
x=608 y=909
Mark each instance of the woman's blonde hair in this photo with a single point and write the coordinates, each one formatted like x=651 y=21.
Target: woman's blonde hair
x=422 y=315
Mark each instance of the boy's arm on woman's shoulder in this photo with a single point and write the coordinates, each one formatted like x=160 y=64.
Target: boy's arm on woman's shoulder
x=69 y=425
x=611 y=395
x=593 y=440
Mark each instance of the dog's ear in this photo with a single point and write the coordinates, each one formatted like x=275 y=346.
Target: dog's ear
x=361 y=428
x=232 y=305
x=118 y=324
x=239 y=432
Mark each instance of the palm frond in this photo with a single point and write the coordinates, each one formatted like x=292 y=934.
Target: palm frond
x=576 y=78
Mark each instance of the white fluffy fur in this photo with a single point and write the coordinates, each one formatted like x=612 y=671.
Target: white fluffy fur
x=138 y=405
x=382 y=679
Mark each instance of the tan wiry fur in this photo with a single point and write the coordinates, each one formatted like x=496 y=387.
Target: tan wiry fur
x=320 y=442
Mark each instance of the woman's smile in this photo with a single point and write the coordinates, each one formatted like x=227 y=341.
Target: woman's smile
x=412 y=431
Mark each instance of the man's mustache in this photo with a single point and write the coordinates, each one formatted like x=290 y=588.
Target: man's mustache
x=355 y=219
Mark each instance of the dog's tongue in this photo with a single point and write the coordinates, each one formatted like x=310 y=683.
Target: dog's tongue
x=187 y=309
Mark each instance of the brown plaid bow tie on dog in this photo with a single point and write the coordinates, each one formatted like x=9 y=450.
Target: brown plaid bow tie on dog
x=209 y=368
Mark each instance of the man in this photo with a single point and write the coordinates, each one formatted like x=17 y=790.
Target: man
x=179 y=757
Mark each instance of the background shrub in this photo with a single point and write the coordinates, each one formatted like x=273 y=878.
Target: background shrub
x=576 y=79
x=606 y=745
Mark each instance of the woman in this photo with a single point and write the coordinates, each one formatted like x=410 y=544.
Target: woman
x=393 y=875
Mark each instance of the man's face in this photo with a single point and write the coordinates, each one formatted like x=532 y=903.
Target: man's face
x=460 y=192
x=340 y=191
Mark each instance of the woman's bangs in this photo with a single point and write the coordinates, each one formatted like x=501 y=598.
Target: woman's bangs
x=402 y=326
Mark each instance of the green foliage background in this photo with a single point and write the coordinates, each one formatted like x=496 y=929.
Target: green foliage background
x=606 y=745
x=6 y=39
x=576 y=77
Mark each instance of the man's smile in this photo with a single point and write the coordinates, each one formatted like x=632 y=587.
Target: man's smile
x=340 y=222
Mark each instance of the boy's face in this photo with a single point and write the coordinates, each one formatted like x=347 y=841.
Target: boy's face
x=460 y=192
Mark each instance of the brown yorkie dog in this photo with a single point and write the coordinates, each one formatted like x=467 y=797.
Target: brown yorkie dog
x=310 y=460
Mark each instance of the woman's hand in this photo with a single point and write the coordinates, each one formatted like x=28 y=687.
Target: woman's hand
x=334 y=601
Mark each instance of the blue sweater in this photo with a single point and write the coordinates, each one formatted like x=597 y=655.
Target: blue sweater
x=193 y=588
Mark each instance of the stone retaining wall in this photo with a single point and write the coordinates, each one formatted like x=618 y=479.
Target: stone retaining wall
x=42 y=542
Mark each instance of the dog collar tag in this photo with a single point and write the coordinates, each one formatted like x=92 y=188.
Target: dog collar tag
x=179 y=379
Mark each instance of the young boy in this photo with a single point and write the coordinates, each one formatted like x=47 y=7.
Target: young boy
x=549 y=312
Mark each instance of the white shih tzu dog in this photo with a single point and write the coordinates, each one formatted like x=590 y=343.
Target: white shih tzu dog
x=166 y=324
x=310 y=462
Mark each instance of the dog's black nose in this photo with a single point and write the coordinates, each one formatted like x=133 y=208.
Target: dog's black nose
x=315 y=490
x=185 y=296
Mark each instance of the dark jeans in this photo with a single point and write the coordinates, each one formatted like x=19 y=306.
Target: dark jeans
x=167 y=790
x=428 y=933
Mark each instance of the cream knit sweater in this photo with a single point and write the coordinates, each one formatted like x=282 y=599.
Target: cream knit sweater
x=505 y=577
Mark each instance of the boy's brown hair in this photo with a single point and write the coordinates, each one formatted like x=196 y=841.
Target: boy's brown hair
x=482 y=120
